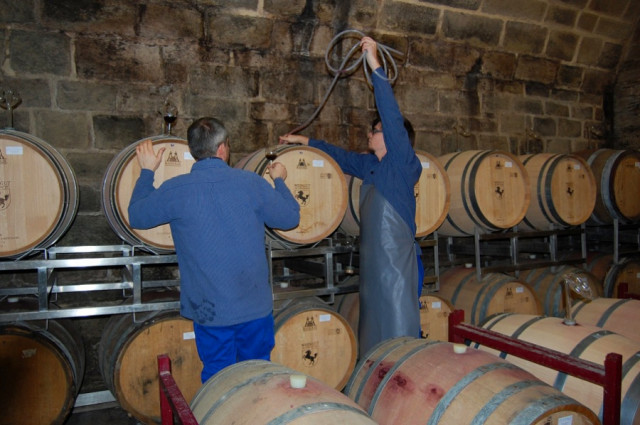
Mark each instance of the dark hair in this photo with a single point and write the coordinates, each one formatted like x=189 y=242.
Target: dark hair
x=204 y=136
x=407 y=126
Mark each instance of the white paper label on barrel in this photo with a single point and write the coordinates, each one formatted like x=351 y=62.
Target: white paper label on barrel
x=14 y=150
x=426 y=164
x=436 y=304
x=576 y=166
x=324 y=317
x=519 y=290
x=317 y=163
x=567 y=420
x=638 y=275
x=187 y=156
x=188 y=335
x=508 y=164
x=637 y=164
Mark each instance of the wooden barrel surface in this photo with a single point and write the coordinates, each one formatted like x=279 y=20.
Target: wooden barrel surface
x=317 y=183
x=495 y=293
x=617 y=174
x=128 y=359
x=614 y=314
x=548 y=283
x=584 y=342
x=314 y=339
x=120 y=179
x=406 y=381
x=38 y=194
x=563 y=190
x=42 y=366
x=490 y=191
x=626 y=270
x=257 y=392
x=432 y=194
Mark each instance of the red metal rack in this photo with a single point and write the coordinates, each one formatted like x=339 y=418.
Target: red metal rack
x=608 y=376
x=173 y=406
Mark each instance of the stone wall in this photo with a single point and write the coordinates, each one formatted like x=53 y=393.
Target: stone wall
x=506 y=74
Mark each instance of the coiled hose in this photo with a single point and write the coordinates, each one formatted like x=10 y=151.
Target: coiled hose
x=384 y=54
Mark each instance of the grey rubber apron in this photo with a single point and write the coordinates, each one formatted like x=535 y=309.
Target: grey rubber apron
x=388 y=273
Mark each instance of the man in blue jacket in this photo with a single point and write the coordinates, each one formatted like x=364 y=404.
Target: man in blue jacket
x=217 y=216
x=389 y=256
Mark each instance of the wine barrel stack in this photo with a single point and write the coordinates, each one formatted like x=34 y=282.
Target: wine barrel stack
x=517 y=231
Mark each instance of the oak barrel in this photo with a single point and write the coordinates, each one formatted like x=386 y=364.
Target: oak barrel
x=612 y=274
x=128 y=353
x=120 y=179
x=317 y=183
x=490 y=191
x=314 y=339
x=617 y=174
x=617 y=315
x=42 y=366
x=584 y=342
x=563 y=190
x=494 y=293
x=406 y=381
x=548 y=284
x=258 y=392
x=432 y=194
x=38 y=194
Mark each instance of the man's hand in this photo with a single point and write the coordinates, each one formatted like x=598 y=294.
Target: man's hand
x=370 y=48
x=147 y=158
x=293 y=139
x=276 y=170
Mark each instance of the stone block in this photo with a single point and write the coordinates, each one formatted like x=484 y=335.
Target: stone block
x=480 y=125
x=117 y=132
x=496 y=102
x=86 y=96
x=115 y=59
x=430 y=142
x=587 y=21
x=528 y=106
x=168 y=21
x=90 y=198
x=63 y=129
x=21 y=120
x=35 y=93
x=523 y=37
x=561 y=15
x=417 y=98
x=511 y=123
x=537 y=89
x=595 y=81
x=471 y=28
x=17 y=12
x=458 y=103
x=556 y=109
x=569 y=76
x=512 y=87
x=584 y=112
x=245 y=4
x=223 y=81
x=589 y=51
x=248 y=32
x=610 y=7
x=458 y=4
x=287 y=86
x=40 y=52
x=92 y=16
x=610 y=55
x=545 y=126
x=575 y=3
x=499 y=65
x=569 y=128
x=613 y=28
x=90 y=229
x=562 y=45
x=530 y=68
x=564 y=95
x=288 y=8
x=409 y=18
x=267 y=111
x=491 y=141
x=147 y=98
x=533 y=10
x=362 y=13
x=229 y=111
x=89 y=166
